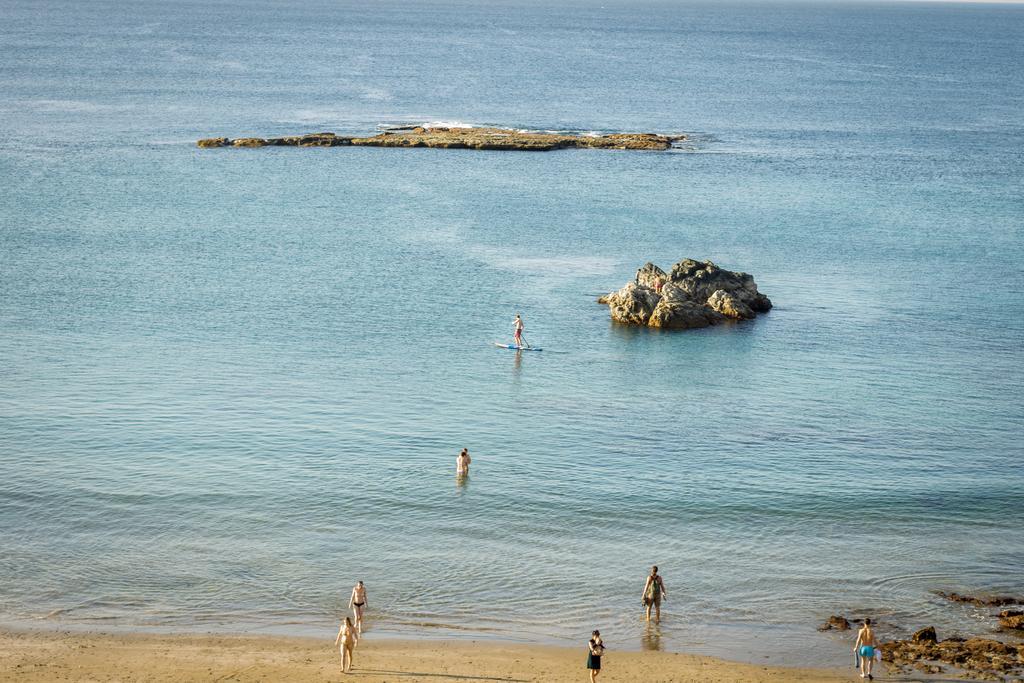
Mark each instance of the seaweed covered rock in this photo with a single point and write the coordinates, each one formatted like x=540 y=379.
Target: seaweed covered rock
x=978 y=657
x=1011 y=619
x=984 y=600
x=691 y=295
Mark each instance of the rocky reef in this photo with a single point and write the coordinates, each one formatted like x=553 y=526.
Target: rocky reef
x=983 y=600
x=692 y=294
x=977 y=658
x=461 y=138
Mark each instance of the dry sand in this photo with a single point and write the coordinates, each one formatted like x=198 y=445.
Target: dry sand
x=42 y=656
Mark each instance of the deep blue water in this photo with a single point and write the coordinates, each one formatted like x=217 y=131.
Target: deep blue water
x=233 y=382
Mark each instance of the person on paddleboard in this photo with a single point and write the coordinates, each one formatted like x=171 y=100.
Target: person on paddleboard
x=517 y=326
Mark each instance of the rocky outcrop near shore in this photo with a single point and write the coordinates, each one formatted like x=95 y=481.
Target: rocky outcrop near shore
x=983 y=600
x=978 y=658
x=461 y=138
x=693 y=294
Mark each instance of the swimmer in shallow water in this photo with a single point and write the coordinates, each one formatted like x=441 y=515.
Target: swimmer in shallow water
x=462 y=462
x=357 y=603
x=654 y=591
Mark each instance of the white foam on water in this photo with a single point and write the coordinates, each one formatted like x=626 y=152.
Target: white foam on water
x=448 y=124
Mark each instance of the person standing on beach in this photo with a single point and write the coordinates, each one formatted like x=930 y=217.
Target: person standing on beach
x=865 y=648
x=357 y=603
x=595 y=648
x=517 y=327
x=462 y=462
x=348 y=638
x=654 y=591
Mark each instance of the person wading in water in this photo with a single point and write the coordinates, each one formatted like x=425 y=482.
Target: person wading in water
x=357 y=603
x=654 y=591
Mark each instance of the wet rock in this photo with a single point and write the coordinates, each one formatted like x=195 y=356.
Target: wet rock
x=213 y=142
x=926 y=635
x=979 y=657
x=1011 y=619
x=835 y=622
x=693 y=294
x=928 y=668
x=250 y=142
x=983 y=601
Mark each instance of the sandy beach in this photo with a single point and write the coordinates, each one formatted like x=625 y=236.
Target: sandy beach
x=61 y=656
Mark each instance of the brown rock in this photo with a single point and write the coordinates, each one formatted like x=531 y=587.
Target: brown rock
x=673 y=314
x=989 y=601
x=729 y=305
x=696 y=294
x=835 y=622
x=478 y=138
x=648 y=274
x=925 y=635
x=213 y=142
x=1011 y=619
x=980 y=657
x=928 y=668
x=633 y=304
x=249 y=142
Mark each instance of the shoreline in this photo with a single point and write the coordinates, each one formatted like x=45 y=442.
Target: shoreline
x=37 y=656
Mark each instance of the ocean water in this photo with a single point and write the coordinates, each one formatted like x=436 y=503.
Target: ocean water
x=234 y=382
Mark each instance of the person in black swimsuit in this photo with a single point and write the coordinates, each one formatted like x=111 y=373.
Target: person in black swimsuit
x=595 y=648
x=357 y=603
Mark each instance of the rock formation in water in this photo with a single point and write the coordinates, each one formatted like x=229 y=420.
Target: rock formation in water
x=984 y=600
x=837 y=622
x=1011 y=620
x=693 y=294
x=461 y=138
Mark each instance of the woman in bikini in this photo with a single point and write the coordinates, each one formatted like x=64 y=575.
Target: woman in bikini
x=347 y=638
x=865 y=648
x=654 y=591
x=357 y=603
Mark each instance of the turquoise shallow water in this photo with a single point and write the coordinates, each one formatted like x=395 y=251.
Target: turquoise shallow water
x=235 y=381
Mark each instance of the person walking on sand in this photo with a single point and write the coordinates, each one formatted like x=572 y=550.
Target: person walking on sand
x=865 y=648
x=462 y=462
x=348 y=638
x=517 y=327
x=595 y=648
x=654 y=591
x=357 y=603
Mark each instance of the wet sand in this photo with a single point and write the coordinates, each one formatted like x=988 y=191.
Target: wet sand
x=28 y=657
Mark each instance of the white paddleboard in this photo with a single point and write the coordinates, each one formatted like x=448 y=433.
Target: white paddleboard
x=516 y=348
